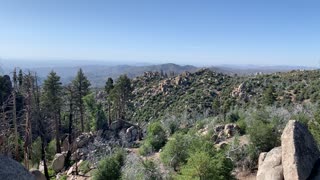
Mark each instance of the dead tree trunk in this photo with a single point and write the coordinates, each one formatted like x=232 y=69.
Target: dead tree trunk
x=67 y=164
x=56 y=119
x=28 y=139
x=41 y=128
x=14 y=117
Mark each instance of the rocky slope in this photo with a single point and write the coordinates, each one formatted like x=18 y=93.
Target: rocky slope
x=208 y=92
x=155 y=95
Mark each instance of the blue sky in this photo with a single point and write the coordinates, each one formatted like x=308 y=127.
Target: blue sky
x=199 y=32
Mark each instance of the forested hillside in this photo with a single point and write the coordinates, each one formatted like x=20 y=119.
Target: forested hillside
x=155 y=126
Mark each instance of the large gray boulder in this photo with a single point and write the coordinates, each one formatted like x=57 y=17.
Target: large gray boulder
x=11 y=169
x=58 y=162
x=83 y=140
x=270 y=165
x=299 y=151
x=231 y=129
x=38 y=175
x=132 y=134
x=41 y=167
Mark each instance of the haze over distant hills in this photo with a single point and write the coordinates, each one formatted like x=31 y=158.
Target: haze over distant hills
x=99 y=71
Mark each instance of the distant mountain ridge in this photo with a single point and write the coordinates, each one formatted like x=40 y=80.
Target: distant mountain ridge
x=97 y=73
x=254 y=69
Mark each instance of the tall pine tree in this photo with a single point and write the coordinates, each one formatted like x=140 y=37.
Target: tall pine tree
x=108 y=87
x=52 y=102
x=121 y=95
x=81 y=85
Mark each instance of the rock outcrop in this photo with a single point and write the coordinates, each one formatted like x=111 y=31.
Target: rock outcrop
x=83 y=139
x=270 y=165
x=132 y=133
x=38 y=175
x=231 y=129
x=297 y=157
x=226 y=131
x=11 y=169
x=299 y=153
x=58 y=162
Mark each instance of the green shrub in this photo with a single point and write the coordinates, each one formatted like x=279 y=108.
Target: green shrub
x=242 y=125
x=175 y=152
x=150 y=170
x=64 y=177
x=314 y=127
x=36 y=152
x=155 y=140
x=136 y=168
x=232 y=117
x=156 y=135
x=84 y=167
x=263 y=136
x=52 y=173
x=145 y=148
x=110 y=167
x=301 y=117
x=179 y=148
x=201 y=165
x=51 y=150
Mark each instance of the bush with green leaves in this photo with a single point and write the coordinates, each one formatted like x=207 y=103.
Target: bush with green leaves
x=185 y=153
x=264 y=133
x=263 y=136
x=201 y=165
x=146 y=148
x=110 y=167
x=314 y=127
x=85 y=167
x=155 y=139
x=232 y=117
x=51 y=150
x=137 y=168
x=36 y=152
x=175 y=152
x=52 y=173
x=64 y=177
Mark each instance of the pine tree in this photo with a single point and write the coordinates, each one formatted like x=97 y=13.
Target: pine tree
x=20 y=78
x=108 y=87
x=81 y=85
x=121 y=95
x=41 y=128
x=70 y=98
x=51 y=99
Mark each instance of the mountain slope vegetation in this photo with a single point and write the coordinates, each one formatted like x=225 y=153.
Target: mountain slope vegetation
x=169 y=124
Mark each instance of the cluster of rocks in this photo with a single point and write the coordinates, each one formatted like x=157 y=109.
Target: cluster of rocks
x=296 y=159
x=228 y=130
x=92 y=147
x=222 y=133
x=180 y=80
x=128 y=131
x=240 y=92
x=151 y=74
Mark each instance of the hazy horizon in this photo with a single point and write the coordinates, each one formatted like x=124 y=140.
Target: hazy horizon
x=28 y=63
